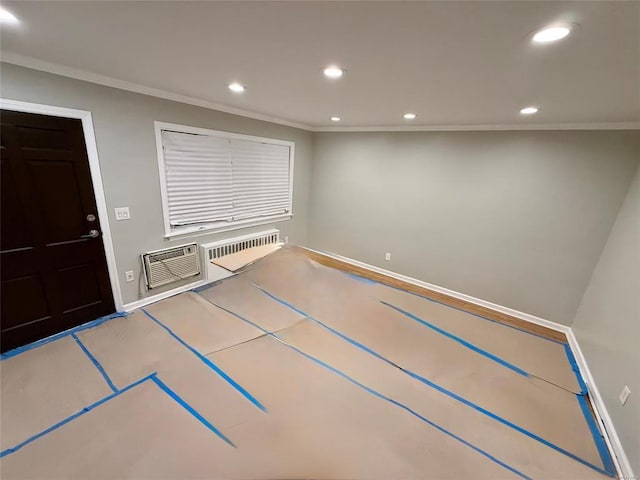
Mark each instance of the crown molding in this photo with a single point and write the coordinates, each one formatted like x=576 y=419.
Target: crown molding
x=487 y=127
x=36 y=64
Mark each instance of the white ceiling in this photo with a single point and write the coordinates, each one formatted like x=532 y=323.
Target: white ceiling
x=457 y=64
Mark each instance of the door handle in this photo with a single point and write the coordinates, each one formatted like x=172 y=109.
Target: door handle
x=91 y=234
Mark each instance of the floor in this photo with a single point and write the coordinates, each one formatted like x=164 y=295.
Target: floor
x=295 y=370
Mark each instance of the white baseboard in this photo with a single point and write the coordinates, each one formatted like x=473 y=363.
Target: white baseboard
x=452 y=293
x=620 y=459
x=161 y=296
x=611 y=438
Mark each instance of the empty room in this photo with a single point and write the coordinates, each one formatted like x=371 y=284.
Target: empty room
x=320 y=240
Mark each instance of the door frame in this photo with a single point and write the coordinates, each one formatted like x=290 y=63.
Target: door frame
x=96 y=178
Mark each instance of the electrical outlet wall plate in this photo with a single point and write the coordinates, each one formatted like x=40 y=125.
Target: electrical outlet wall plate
x=624 y=395
x=387 y=256
x=122 y=213
x=129 y=277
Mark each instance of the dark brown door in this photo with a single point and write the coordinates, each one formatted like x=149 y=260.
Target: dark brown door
x=53 y=268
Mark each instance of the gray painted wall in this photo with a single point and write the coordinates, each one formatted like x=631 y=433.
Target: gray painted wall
x=123 y=124
x=515 y=218
x=607 y=324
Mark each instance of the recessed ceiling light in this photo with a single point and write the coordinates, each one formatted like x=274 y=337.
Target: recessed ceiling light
x=409 y=116
x=237 y=87
x=335 y=119
x=529 y=110
x=551 y=34
x=333 y=71
x=7 y=17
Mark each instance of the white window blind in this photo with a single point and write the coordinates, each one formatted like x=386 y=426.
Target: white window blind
x=215 y=180
x=198 y=177
x=260 y=179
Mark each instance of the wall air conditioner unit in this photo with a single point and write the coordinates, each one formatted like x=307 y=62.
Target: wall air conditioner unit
x=233 y=245
x=170 y=265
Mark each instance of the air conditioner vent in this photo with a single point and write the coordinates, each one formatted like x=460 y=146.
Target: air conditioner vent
x=171 y=265
x=159 y=257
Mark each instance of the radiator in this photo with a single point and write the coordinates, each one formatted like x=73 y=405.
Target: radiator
x=170 y=265
x=232 y=245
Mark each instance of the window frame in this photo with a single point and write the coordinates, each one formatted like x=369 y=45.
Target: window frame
x=172 y=232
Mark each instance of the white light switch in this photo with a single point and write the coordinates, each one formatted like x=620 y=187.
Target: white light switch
x=624 y=395
x=122 y=213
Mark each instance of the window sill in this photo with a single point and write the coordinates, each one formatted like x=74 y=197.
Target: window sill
x=209 y=229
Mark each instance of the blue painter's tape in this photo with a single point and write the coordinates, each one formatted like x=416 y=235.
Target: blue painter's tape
x=362 y=279
x=209 y=363
x=501 y=420
x=9 y=451
x=409 y=410
x=190 y=409
x=367 y=280
x=373 y=392
x=576 y=370
x=94 y=360
x=327 y=327
x=486 y=318
x=470 y=346
x=605 y=456
x=438 y=387
x=58 y=336
x=244 y=319
x=202 y=288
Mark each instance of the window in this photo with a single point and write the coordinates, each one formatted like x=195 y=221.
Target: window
x=213 y=180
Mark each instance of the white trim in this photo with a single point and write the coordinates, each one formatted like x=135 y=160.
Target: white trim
x=620 y=460
x=611 y=438
x=96 y=178
x=292 y=157
x=175 y=127
x=164 y=196
x=485 y=127
x=78 y=74
x=178 y=233
x=462 y=296
x=172 y=233
x=161 y=296
x=202 y=233
x=107 y=81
